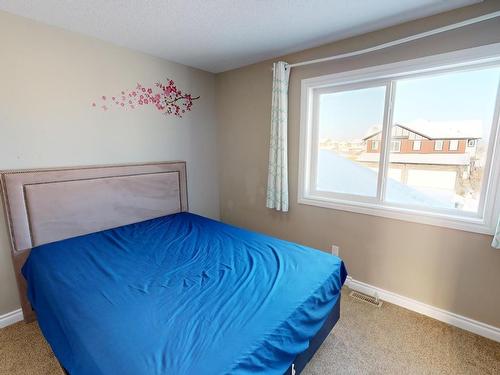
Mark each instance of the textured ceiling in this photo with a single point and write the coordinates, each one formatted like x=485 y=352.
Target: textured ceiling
x=218 y=35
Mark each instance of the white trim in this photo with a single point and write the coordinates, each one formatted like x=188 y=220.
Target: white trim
x=397 y=42
x=486 y=55
x=396 y=142
x=11 y=318
x=473 y=58
x=386 y=136
x=445 y=316
x=400 y=213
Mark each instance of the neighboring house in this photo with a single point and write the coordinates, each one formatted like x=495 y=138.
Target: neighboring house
x=424 y=137
x=428 y=154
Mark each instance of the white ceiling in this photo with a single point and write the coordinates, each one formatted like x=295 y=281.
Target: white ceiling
x=218 y=35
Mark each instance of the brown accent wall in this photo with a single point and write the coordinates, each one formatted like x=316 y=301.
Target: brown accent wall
x=454 y=270
x=427 y=147
x=407 y=147
x=459 y=150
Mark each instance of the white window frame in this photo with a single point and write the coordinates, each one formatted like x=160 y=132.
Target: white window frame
x=453 y=145
x=396 y=142
x=375 y=145
x=489 y=206
x=416 y=142
x=438 y=145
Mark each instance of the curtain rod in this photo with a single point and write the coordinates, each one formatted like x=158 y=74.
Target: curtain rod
x=396 y=42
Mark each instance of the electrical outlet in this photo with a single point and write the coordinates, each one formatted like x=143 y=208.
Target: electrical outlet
x=335 y=250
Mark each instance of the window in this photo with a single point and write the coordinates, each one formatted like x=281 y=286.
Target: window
x=453 y=145
x=336 y=161
x=365 y=161
x=395 y=146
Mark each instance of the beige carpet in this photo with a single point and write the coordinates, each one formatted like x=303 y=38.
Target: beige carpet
x=24 y=351
x=366 y=340
x=393 y=340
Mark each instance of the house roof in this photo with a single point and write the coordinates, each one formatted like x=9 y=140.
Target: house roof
x=471 y=129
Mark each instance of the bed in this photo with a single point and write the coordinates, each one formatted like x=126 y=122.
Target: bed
x=123 y=279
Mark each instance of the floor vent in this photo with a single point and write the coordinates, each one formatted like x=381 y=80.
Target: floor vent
x=374 y=301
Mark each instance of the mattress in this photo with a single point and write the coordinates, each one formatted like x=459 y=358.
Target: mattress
x=181 y=294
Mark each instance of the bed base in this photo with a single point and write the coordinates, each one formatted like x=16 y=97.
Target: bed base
x=303 y=358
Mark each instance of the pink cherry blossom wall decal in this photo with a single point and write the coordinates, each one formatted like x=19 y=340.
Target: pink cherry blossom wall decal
x=164 y=97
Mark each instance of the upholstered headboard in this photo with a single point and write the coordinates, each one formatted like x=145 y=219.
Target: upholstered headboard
x=47 y=205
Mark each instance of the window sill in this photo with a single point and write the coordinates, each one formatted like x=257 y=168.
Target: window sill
x=469 y=224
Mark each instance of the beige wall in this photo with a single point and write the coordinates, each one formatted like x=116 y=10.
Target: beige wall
x=453 y=270
x=49 y=78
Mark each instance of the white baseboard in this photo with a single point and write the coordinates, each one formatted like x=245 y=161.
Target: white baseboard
x=453 y=319
x=11 y=318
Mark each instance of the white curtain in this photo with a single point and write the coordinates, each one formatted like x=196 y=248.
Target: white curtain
x=496 y=237
x=277 y=179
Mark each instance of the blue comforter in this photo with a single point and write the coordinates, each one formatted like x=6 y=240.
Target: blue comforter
x=180 y=294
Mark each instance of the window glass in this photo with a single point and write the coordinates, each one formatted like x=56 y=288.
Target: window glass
x=416 y=146
x=438 y=145
x=345 y=133
x=453 y=145
x=396 y=146
x=442 y=174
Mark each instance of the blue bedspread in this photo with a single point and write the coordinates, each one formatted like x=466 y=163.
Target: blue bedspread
x=180 y=294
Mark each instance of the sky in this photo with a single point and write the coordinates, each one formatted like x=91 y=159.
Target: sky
x=446 y=97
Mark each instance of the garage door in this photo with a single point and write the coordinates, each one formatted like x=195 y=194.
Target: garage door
x=432 y=179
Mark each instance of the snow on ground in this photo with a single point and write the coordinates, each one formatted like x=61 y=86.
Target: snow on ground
x=341 y=175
